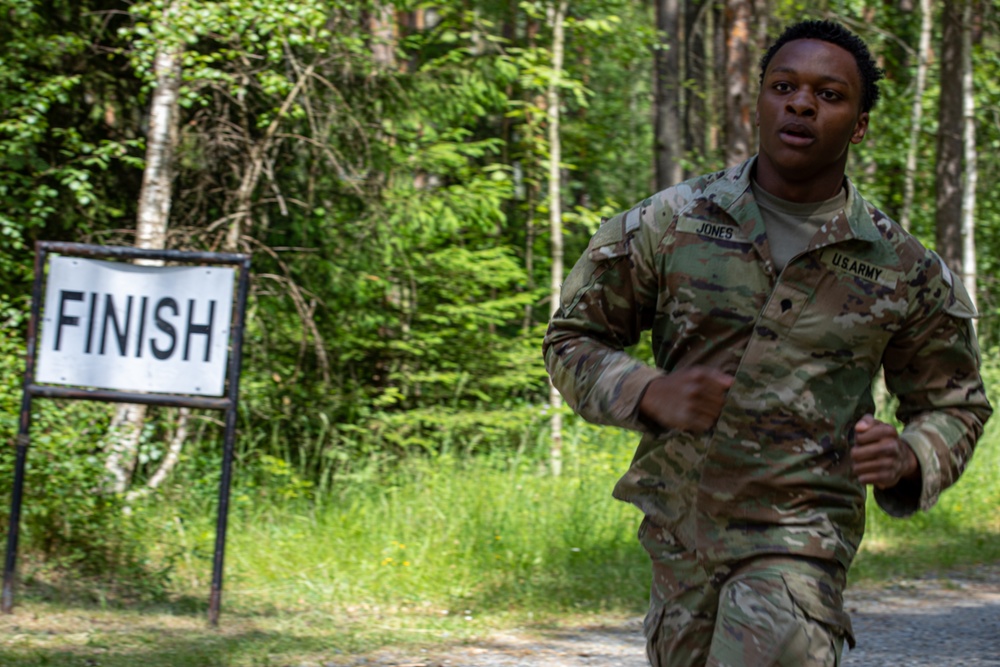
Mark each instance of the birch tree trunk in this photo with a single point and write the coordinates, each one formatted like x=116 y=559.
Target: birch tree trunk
x=151 y=233
x=969 y=151
x=557 y=16
x=174 y=449
x=916 y=112
x=155 y=195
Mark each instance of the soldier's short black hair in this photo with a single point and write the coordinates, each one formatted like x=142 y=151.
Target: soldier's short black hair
x=834 y=33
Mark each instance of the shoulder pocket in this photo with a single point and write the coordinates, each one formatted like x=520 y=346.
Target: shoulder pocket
x=606 y=244
x=959 y=302
x=609 y=241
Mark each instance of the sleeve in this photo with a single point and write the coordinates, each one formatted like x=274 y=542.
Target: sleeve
x=607 y=300
x=932 y=367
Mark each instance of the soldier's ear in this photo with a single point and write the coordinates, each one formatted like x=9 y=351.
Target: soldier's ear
x=860 y=129
x=756 y=118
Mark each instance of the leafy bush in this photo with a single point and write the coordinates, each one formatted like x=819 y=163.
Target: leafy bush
x=68 y=520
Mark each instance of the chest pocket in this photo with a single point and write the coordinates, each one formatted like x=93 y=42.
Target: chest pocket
x=704 y=255
x=850 y=311
x=713 y=287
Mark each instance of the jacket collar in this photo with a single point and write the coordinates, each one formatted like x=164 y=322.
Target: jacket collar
x=733 y=194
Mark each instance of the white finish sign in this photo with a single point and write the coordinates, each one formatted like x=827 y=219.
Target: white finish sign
x=136 y=328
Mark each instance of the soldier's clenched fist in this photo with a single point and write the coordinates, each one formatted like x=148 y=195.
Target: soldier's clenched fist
x=879 y=457
x=690 y=399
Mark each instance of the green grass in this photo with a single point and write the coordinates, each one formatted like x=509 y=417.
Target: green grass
x=443 y=551
x=448 y=543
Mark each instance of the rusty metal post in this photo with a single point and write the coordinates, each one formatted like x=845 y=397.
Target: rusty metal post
x=23 y=438
x=236 y=361
x=10 y=562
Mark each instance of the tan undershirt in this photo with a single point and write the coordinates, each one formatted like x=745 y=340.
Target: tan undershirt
x=791 y=225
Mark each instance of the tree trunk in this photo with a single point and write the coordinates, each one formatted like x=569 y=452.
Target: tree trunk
x=737 y=81
x=916 y=112
x=170 y=461
x=123 y=444
x=151 y=233
x=971 y=165
x=696 y=42
x=382 y=25
x=557 y=16
x=948 y=169
x=155 y=195
x=761 y=19
x=759 y=41
x=715 y=74
x=668 y=93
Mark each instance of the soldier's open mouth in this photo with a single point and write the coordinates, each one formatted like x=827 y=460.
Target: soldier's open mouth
x=797 y=131
x=796 y=138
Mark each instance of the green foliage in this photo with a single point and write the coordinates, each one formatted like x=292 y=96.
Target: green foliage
x=55 y=156
x=987 y=71
x=420 y=294
x=68 y=523
x=395 y=214
x=412 y=326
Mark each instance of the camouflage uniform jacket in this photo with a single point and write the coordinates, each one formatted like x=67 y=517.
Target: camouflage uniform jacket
x=774 y=475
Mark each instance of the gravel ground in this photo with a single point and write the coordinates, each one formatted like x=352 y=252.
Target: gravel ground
x=934 y=622
x=929 y=622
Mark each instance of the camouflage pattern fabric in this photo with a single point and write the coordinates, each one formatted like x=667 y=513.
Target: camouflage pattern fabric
x=773 y=476
x=772 y=610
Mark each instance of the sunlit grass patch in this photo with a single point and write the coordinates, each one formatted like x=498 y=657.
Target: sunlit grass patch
x=453 y=535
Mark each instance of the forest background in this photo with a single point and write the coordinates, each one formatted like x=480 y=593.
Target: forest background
x=408 y=177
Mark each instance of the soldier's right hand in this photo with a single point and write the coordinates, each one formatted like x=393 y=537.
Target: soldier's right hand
x=689 y=400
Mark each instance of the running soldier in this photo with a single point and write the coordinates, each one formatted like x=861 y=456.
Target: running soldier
x=775 y=295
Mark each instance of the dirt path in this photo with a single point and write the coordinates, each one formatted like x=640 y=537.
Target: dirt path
x=940 y=622
x=928 y=622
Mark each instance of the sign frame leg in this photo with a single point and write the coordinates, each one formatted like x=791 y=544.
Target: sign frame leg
x=14 y=529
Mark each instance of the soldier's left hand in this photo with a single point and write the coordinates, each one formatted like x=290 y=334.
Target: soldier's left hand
x=879 y=456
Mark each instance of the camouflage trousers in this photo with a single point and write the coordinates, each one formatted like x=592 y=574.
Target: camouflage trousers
x=776 y=610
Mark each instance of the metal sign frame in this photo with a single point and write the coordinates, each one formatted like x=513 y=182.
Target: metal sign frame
x=228 y=402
